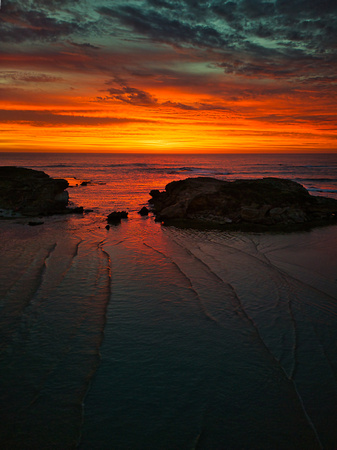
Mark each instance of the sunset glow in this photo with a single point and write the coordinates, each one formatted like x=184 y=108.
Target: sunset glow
x=168 y=76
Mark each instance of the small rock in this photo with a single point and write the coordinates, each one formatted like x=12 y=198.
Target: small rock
x=33 y=224
x=77 y=210
x=144 y=211
x=116 y=216
x=108 y=227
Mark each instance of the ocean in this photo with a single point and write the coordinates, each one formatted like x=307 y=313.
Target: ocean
x=151 y=337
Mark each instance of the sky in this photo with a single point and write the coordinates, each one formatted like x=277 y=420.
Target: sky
x=168 y=75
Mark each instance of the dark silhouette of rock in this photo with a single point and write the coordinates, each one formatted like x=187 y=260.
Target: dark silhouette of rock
x=264 y=202
x=107 y=227
x=29 y=192
x=77 y=210
x=116 y=216
x=34 y=224
x=144 y=211
x=154 y=193
x=32 y=192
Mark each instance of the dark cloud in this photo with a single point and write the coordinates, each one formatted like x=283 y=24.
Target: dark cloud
x=18 y=24
x=179 y=106
x=53 y=4
x=84 y=46
x=160 y=27
x=256 y=70
x=306 y=8
x=132 y=96
x=48 y=118
x=266 y=37
x=248 y=29
x=294 y=66
x=217 y=24
x=139 y=97
x=225 y=10
x=161 y=4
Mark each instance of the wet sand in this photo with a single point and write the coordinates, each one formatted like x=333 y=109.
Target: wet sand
x=151 y=337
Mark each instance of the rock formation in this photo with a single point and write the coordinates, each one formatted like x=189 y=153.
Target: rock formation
x=264 y=202
x=31 y=192
x=144 y=211
x=115 y=217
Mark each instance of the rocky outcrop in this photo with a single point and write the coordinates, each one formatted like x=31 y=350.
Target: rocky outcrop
x=29 y=192
x=115 y=217
x=265 y=202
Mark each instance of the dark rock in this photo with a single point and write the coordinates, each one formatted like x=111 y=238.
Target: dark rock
x=88 y=211
x=33 y=224
x=144 y=211
x=264 y=202
x=85 y=183
x=155 y=193
x=116 y=216
x=31 y=192
x=108 y=227
x=77 y=210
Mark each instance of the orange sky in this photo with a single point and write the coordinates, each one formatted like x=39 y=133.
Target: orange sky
x=172 y=76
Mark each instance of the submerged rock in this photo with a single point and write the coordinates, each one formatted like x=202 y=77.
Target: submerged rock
x=116 y=216
x=264 y=202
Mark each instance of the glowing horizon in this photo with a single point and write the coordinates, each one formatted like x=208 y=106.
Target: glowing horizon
x=168 y=76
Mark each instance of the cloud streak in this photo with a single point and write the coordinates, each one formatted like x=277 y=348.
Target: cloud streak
x=48 y=118
x=29 y=77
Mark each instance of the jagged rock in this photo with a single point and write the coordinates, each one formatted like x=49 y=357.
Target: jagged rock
x=31 y=192
x=116 y=216
x=265 y=202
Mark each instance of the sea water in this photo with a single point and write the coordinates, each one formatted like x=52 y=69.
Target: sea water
x=151 y=337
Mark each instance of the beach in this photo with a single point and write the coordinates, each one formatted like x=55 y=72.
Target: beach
x=144 y=336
